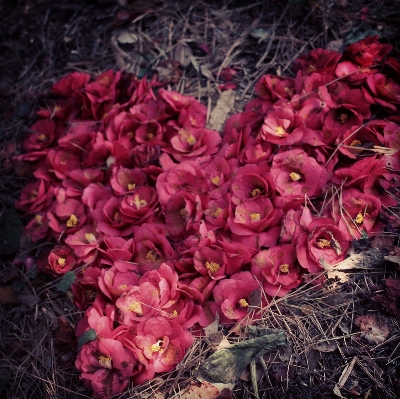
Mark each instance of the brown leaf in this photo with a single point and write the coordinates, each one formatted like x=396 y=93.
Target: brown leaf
x=183 y=54
x=65 y=335
x=373 y=328
x=204 y=391
x=8 y=296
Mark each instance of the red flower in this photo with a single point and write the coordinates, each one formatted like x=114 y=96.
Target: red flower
x=79 y=179
x=368 y=51
x=385 y=91
x=118 y=252
x=125 y=181
x=292 y=227
x=283 y=126
x=38 y=228
x=151 y=247
x=324 y=245
x=353 y=73
x=318 y=60
x=358 y=214
x=164 y=342
x=273 y=88
x=296 y=174
x=62 y=163
x=36 y=197
x=71 y=85
x=42 y=136
x=85 y=240
x=211 y=261
x=106 y=367
x=277 y=269
x=85 y=288
x=67 y=217
x=61 y=260
x=113 y=283
x=234 y=296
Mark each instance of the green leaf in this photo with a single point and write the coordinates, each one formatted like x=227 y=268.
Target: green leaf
x=66 y=281
x=10 y=233
x=88 y=336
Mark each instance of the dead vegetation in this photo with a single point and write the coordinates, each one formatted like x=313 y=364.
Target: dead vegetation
x=333 y=349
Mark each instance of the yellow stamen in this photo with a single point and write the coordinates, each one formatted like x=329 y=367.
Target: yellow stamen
x=216 y=180
x=295 y=176
x=280 y=131
x=61 y=261
x=213 y=267
x=131 y=186
x=191 y=140
x=217 y=212
x=91 y=238
x=343 y=118
x=255 y=217
x=72 y=221
x=123 y=287
x=157 y=346
x=39 y=219
x=138 y=202
x=117 y=217
x=151 y=256
x=255 y=192
x=42 y=137
x=105 y=361
x=183 y=212
x=355 y=143
x=284 y=268
x=174 y=314
x=359 y=218
x=136 y=308
x=243 y=303
x=150 y=136
x=322 y=243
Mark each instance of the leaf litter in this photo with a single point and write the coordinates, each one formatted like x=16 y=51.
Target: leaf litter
x=55 y=39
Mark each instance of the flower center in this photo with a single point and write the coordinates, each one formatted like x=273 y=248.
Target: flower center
x=295 y=176
x=216 y=180
x=255 y=217
x=174 y=314
x=34 y=194
x=61 y=261
x=191 y=140
x=131 y=186
x=322 y=243
x=255 y=192
x=136 y=308
x=359 y=218
x=213 y=267
x=356 y=143
x=157 y=347
x=138 y=202
x=183 y=212
x=117 y=217
x=72 y=221
x=243 y=303
x=90 y=294
x=150 y=136
x=42 y=137
x=39 y=219
x=151 y=256
x=284 y=268
x=280 y=131
x=217 y=212
x=343 y=118
x=90 y=237
x=105 y=361
x=123 y=287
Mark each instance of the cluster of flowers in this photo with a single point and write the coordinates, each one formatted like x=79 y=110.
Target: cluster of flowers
x=174 y=224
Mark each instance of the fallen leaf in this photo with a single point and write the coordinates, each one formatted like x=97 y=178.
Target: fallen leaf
x=372 y=258
x=326 y=346
x=206 y=72
x=204 y=391
x=126 y=37
x=338 y=276
x=343 y=378
x=336 y=45
x=183 y=54
x=87 y=336
x=29 y=299
x=373 y=328
x=220 y=112
x=226 y=365
x=8 y=296
x=66 y=281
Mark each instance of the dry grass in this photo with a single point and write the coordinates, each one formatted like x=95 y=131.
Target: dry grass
x=41 y=40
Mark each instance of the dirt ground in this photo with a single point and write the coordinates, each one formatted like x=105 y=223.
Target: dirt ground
x=42 y=40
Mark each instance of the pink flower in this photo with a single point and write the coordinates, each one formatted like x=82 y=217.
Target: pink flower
x=272 y=88
x=367 y=51
x=106 y=367
x=67 y=217
x=85 y=240
x=85 y=287
x=277 y=269
x=61 y=260
x=296 y=174
x=325 y=244
x=62 y=163
x=79 y=179
x=283 y=126
x=113 y=283
x=385 y=92
x=292 y=227
x=164 y=342
x=211 y=261
x=42 y=135
x=36 y=197
x=318 y=60
x=125 y=181
x=151 y=247
x=38 y=228
x=235 y=297
x=118 y=252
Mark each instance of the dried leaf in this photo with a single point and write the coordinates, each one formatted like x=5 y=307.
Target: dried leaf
x=204 y=391
x=29 y=299
x=365 y=260
x=8 y=296
x=183 y=54
x=224 y=105
x=206 y=72
x=343 y=378
x=126 y=37
x=373 y=328
x=340 y=276
x=226 y=365
x=326 y=346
